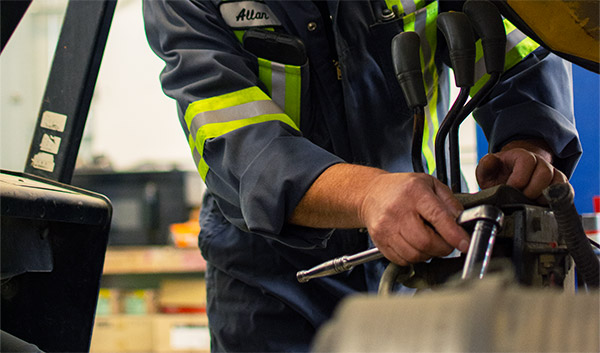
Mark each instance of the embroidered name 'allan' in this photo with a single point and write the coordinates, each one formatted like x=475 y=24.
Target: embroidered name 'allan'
x=250 y=15
x=244 y=14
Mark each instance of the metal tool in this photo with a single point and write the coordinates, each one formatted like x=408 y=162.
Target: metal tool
x=338 y=265
x=487 y=220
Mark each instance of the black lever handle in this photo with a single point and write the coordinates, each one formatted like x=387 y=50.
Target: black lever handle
x=407 y=67
x=456 y=28
x=487 y=23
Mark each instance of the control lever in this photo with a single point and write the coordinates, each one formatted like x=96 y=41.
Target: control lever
x=407 y=67
x=457 y=31
x=488 y=221
x=487 y=24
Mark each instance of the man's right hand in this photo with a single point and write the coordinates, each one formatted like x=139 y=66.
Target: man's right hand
x=411 y=217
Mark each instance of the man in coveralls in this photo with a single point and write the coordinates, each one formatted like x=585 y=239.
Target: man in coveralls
x=307 y=162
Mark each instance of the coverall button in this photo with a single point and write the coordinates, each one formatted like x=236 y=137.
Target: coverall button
x=312 y=26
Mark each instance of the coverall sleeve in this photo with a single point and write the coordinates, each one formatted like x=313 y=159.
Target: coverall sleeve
x=257 y=169
x=534 y=100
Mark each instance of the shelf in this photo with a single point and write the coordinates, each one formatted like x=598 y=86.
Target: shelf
x=152 y=259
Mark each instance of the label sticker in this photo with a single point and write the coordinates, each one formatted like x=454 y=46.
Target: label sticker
x=244 y=14
x=50 y=143
x=43 y=161
x=190 y=337
x=54 y=121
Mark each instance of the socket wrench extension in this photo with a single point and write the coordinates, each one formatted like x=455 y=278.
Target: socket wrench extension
x=488 y=221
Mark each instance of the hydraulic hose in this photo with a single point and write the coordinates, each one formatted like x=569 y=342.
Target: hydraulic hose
x=560 y=198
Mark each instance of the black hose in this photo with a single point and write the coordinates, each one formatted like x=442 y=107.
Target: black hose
x=560 y=198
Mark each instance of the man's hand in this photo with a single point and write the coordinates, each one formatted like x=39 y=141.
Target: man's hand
x=410 y=217
x=525 y=165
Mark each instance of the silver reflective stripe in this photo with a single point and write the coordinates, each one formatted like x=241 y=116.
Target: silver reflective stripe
x=408 y=6
x=278 y=84
x=512 y=40
x=237 y=112
x=196 y=155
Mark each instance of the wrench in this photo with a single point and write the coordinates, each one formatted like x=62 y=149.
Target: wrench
x=487 y=221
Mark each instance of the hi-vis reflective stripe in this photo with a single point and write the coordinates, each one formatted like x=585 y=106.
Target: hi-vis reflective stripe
x=423 y=21
x=283 y=83
x=518 y=46
x=216 y=116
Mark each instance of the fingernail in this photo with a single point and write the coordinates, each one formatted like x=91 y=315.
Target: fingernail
x=463 y=246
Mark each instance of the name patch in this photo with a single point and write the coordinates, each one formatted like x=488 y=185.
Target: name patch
x=244 y=14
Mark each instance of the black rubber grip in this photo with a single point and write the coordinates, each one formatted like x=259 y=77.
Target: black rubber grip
x=407 y=67
x=461 y=45
x=487 y=23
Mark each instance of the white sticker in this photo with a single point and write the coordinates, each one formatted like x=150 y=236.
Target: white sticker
x=50 y=143
x=244 y=14
x=43 y=161
x=190 y=337
x=54 y=121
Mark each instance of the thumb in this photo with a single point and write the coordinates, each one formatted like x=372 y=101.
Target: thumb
x=490 y=171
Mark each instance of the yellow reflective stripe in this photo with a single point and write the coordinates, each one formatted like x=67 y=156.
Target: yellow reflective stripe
x=431 y=35
x=239 y=34
x=215 y=129
x=191 y=143
x=208 y=131
x=283 y=83
x=293 y=92
x=203 y=169
x=219 y=129
x=227 y=100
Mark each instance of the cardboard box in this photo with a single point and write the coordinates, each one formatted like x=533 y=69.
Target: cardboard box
x=122 y=333
x=181 y=333
x=184 y=294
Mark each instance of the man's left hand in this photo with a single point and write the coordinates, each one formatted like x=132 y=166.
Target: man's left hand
x=525 y=165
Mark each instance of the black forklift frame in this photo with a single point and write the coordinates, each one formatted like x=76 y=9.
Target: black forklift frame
x=71 y=82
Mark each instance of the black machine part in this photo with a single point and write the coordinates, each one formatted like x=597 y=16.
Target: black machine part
x=54 y=238
x=560 y=198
